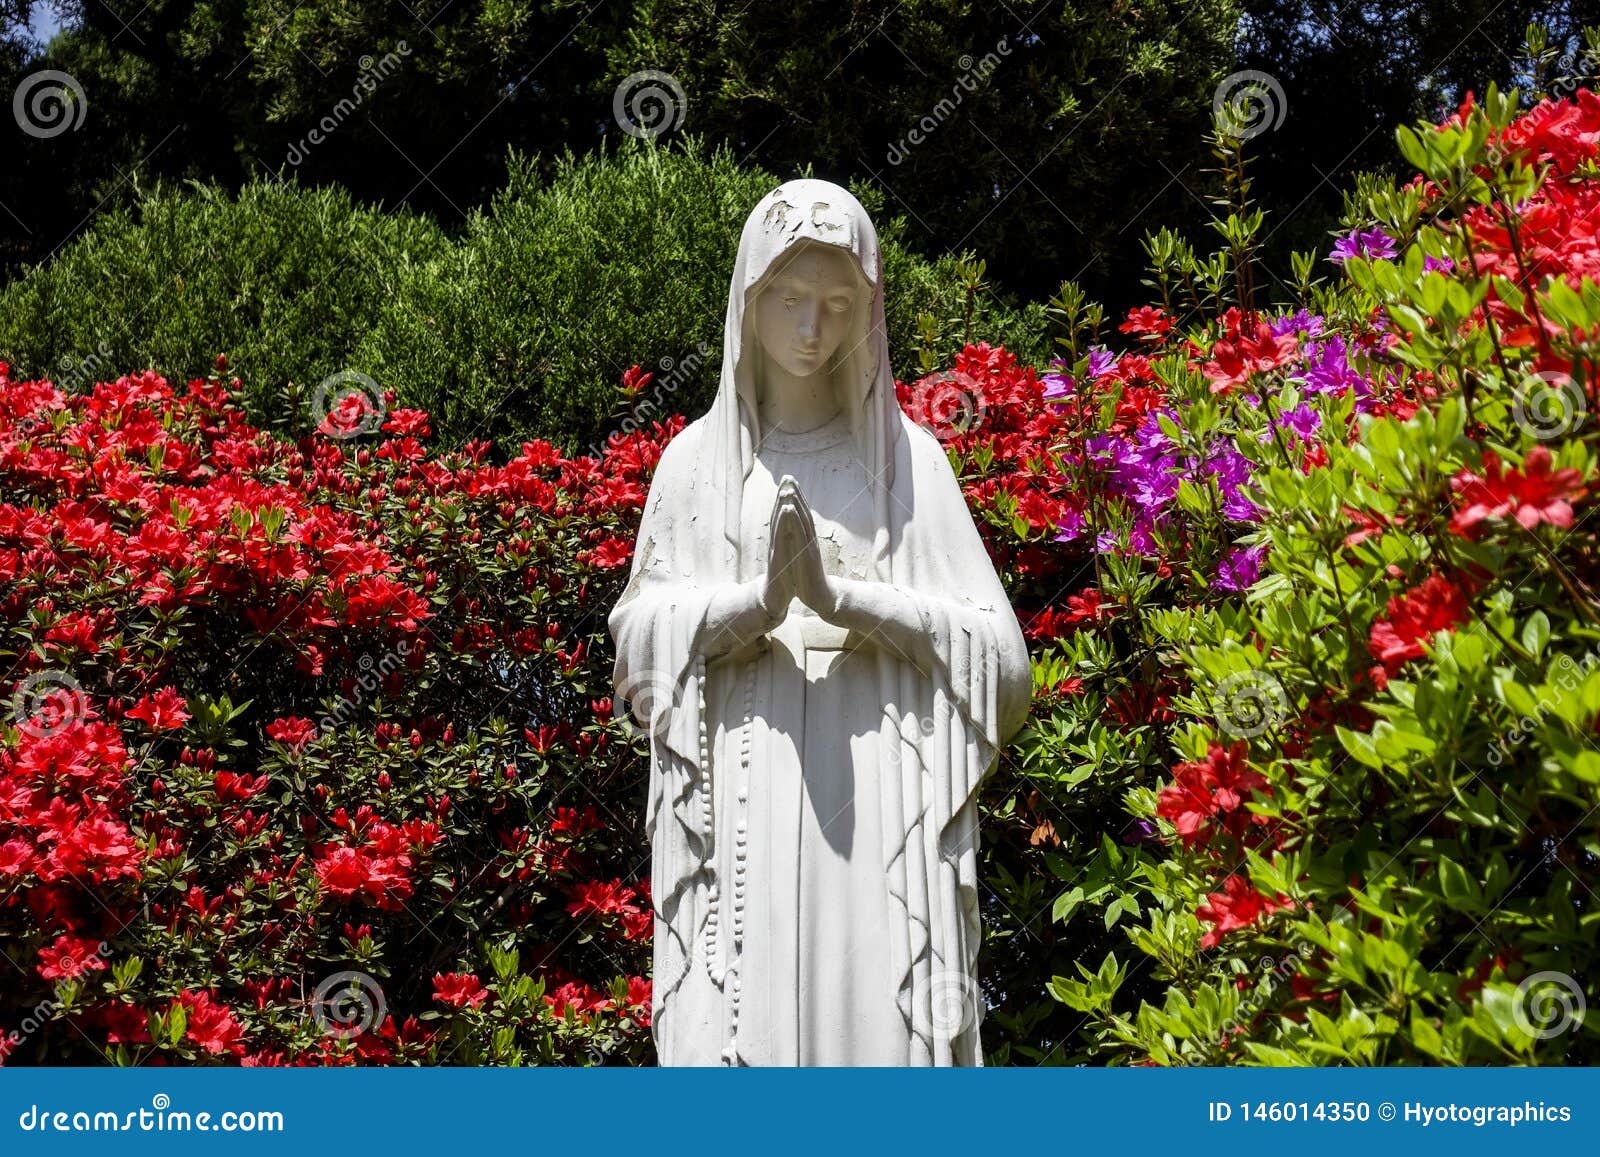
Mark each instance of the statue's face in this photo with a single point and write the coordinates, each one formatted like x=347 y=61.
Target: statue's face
x=805 y=309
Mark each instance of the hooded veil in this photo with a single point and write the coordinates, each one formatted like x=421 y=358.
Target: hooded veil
x=943 y=719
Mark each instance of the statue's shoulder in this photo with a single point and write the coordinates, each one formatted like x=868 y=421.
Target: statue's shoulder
x=678 y=459
x=924 y=453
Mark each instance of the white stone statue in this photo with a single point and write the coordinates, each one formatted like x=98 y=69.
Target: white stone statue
x=827 y=666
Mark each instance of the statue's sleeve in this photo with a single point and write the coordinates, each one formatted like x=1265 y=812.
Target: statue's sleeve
x=655 y=625
x=969 y=620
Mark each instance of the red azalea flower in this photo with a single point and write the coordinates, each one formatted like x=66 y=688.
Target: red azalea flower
x=635 y=379
x=639 y=1000
x=578 y=996
x=1089 y=607
x=1249 y=347
x=605 y=898
x=343 y=872
x=70 y=957
x=612 y=552
x=293 y=730
x=232 y=787
x=211 y=1025
x=1237 y=906
x=16 y=858
x=1531 y=495
x=1146 y=320
x=163 y=711
x=1411 y=621
x=459 y=989
x=1220 y=784
x=124 y=1023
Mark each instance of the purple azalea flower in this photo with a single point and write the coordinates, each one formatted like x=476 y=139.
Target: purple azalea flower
x=1140 y=832
x=1141 y=469
x=1057 y=381
x=1305 y=322
x=1231 y=469
x=1240 y=568
x=1371 y=244
x=1070 y=526
x=1328 y=369
x=1101 y=362
x=1438 y=265
x=1140 y=540
x=1303 y=421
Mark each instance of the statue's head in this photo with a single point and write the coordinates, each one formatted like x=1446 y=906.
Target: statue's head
x=806 y=306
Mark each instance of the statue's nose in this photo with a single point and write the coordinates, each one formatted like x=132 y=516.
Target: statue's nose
x=808 y=321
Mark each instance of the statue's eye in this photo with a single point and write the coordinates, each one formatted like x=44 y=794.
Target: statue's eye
x=791 y=301
x=839 y=304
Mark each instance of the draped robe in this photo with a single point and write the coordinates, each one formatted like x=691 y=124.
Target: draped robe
x=812 y=792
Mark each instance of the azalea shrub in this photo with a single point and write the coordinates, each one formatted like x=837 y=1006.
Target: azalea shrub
x=311 y=757
x=1313 y=774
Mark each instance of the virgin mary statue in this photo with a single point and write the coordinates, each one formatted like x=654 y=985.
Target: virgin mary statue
x=827 y=666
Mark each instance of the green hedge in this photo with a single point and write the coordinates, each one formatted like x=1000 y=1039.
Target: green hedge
x=520 y=327
x=287 y=281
